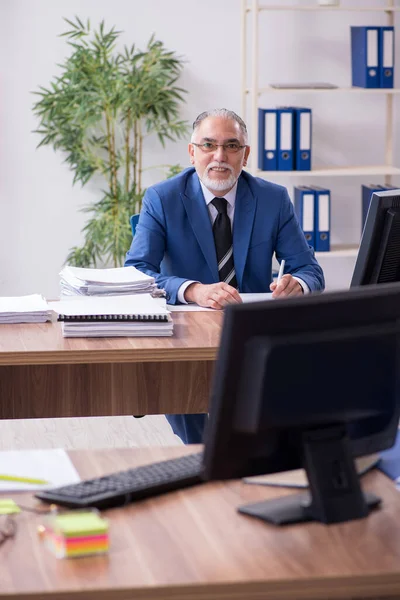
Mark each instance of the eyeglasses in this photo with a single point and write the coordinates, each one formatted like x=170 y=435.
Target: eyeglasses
x=229 y=147
x=8 y=528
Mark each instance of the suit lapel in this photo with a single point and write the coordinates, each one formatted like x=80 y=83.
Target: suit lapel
x=245 y=209
x=199 y=220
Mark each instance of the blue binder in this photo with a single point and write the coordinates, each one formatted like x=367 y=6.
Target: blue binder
x=302 y=139
x=386 y=54
x=304 y=206
x=366 y=193
x=322 y=218
x=285 y=139
x=365 y=57
x=267 y=139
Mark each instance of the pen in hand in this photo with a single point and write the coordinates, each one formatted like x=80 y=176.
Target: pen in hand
x=281 y=269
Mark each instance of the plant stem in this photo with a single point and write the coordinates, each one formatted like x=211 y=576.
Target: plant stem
x=110 y=149
x=114 y=159
x=115 y=195
x=135 y=155
x=127 y=149
x=140 y=157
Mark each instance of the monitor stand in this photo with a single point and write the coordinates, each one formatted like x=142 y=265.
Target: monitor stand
x=335 y=492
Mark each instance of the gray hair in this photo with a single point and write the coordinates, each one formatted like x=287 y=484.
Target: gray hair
x=226 y=114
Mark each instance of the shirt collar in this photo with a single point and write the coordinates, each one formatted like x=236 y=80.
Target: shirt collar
x=230 y=197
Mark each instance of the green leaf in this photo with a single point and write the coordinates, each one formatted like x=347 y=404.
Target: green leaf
x=85 y=113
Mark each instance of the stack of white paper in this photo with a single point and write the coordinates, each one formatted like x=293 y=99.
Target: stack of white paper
x=24 y=309
x=113 y=316
x=76 y=281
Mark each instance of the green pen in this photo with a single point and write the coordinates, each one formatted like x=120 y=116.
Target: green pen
x=18 y=479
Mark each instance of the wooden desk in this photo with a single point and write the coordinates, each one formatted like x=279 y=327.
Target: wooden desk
x=43 y=374
x=192 y=544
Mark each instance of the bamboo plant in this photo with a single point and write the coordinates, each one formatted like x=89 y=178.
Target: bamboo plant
x=98 y=111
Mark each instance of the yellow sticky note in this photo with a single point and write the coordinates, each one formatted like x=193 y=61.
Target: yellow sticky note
x=72 y=524
x=8 y=507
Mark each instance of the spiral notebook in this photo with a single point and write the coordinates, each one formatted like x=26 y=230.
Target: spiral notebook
x=123 y=315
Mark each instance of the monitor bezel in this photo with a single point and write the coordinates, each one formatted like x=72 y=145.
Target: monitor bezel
x=370 y=240
x=387 y=310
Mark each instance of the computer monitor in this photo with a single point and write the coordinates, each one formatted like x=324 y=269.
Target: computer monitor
x=307 y=382
x=378 y=259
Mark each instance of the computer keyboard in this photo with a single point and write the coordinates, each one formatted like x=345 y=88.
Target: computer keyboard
x=123 y=487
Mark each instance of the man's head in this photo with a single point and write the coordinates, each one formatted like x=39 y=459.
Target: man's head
x=218 y=149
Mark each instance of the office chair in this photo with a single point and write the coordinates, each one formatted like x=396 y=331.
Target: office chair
x=134 y=221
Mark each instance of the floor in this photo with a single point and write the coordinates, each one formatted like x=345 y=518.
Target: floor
x=90 y=432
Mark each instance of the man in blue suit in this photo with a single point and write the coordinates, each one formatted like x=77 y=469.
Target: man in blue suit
x=210 y=232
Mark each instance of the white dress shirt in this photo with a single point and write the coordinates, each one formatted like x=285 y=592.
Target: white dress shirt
x=230 y=197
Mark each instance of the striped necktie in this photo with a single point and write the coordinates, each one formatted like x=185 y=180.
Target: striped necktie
x=223 y=243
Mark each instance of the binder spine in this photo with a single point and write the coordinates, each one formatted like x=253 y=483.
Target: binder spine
x=267 y=139
x=285 y=137
x=366 y=193
x=365 y=56
x=302 y=139
x=322 y=219
x=386 y=52
x=304 y=205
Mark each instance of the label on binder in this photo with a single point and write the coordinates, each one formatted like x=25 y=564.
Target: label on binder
x=305 y=131
x=388 y=49
x=323 y=212
x=308 y=213
x=372 y=48
x=286 y=131
x=270 y=132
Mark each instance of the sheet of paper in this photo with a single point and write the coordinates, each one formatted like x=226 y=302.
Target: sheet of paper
x=118 y=275
x=256 y=297
x=195 y=307
x=30 y=303
x=53 y=465
x=186 y=308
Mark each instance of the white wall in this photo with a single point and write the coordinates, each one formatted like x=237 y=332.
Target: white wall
x=39 y=208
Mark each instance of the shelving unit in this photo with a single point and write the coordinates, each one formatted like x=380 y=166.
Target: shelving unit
x=252 y=93
x=355 y=90
x=389 y=8
x=332 y=171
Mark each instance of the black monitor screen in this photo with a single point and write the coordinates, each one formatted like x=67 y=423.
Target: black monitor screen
x=378 y=259
x=310 y=381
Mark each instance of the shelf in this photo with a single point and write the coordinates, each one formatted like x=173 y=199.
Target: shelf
x=353 y=90
x=326 y=8
x=339 y=252
x=339 y=262
x=332 y=172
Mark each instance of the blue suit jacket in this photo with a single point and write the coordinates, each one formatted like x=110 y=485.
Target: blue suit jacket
x=174 y=239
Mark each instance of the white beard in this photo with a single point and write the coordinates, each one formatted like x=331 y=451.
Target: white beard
x=221 y=184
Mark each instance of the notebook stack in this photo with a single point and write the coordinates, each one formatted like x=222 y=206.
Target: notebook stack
x=113 y=316
x=76 y=281
x=24 y=309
